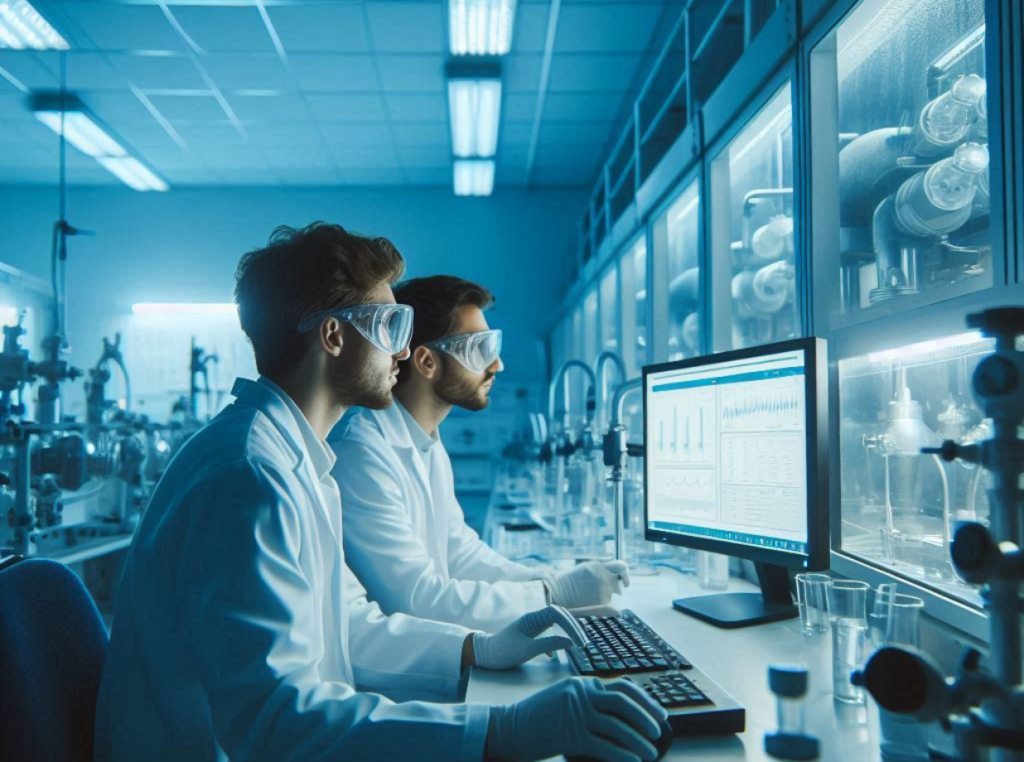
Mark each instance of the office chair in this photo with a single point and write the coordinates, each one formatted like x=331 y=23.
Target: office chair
x=52 y=646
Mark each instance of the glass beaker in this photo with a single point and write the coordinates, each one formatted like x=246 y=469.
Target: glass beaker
x=812 y=599
x=847 y=607
x=712 y=570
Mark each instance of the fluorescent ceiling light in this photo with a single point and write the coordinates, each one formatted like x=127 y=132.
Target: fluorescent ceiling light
x=132 y=173
x=474 y=177
x=480 y=27
x=183 y=308
x=66 y=114
x=82 y=132
x=21 y=27
x=475 y=109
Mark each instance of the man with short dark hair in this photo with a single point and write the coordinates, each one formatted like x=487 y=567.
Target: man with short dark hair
x=405 y=534
x=239 y=631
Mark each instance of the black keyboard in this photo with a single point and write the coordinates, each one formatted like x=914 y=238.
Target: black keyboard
x=673 y=690
x=623 y=645
x=626 y=646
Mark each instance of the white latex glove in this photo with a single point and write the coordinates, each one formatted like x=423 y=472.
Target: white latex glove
x=518 y=642
x=614 y=722
x=589 y=584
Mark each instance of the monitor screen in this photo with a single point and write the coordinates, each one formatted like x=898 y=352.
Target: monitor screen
x=730 y=443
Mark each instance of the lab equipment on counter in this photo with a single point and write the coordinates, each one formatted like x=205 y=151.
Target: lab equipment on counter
x=983 y=706
x=736 y=463
x=790 y=741
x=712 y=570
x=913 y=175
x=848 y=619
x=900 y=505
x=812 y=600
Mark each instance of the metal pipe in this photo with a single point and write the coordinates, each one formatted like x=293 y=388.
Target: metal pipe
x=603 y=359
x=560 y=377
x=619 y=455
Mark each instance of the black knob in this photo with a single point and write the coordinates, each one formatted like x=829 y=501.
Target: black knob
x=996 y=376
x=974 y=553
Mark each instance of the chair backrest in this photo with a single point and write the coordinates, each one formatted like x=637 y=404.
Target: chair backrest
x=52 y=646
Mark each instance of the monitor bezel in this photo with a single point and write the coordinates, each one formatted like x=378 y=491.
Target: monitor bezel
x=817 y=417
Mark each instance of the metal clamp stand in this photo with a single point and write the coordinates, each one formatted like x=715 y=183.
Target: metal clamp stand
x=982 y=707
x=616 y=457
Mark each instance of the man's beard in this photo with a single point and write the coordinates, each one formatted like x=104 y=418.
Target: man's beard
x=455 y=389
x=363 y=382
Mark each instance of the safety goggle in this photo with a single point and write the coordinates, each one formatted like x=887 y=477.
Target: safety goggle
x=387 y=326
x=476 y=352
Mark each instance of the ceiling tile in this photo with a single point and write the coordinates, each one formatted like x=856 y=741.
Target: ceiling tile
x=117 y=107
x=234 y=157
x=575 y=133
x=159 y=72
x=321 y=27
x=425 y=158
x=515 y=133
x=142 y=136
x=363 y=158
x=28 y=69
x=183 y=176
x=407 y=27
x=417 y=108
x=555 y=177
x=280 y=107
x=438 y=178
x=531 y=28
x=373 y=177
x=347 y=108
x=348 y=135
x=240 y=177
x=411 y=73
x=606 y=28
x=297 y=157
x=420 y=135
x=334 y=73
x=583 y=107
x=521 y=73
x=578 y=73
x=271 y=134
x=201 y=107
x=247 y=71
x=519 y=107
x=14 y=107
x=210 y=134
x=121 y=26
x=307 y=177
x=85 y=71
x=222 y=28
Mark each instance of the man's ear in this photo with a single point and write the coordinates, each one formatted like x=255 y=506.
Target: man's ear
x=331 y=338
x=425 y=362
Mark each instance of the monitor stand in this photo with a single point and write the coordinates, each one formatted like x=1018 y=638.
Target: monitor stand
x=731 y=610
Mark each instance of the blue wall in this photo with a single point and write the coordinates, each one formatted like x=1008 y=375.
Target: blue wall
x=184 y=245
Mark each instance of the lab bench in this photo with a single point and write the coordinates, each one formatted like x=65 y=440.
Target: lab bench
x=737 y=660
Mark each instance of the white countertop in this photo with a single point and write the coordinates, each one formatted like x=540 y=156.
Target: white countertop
x=736 y=659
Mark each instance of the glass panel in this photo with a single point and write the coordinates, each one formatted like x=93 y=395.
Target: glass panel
x=610 y=311
x=633 y=269
x=757 y=239
x=590 y=327
x=680 y=228
x=899 y=506
x=913 y=165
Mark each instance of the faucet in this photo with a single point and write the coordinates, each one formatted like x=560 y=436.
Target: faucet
x=603 y=359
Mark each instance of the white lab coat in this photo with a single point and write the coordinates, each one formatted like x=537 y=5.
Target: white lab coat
x=239 y=632
x=406 y=537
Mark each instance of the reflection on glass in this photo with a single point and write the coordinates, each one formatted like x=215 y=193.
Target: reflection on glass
x=682 y=222
x=900 y=507
x=610 y=311
x=913 y=164
x=639 y=295
x=590 y=327
x=760 y=171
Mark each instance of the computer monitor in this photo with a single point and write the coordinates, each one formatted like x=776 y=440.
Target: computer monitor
x=736 y=462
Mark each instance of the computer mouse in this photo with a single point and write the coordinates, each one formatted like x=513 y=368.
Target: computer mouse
x=662 y=744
